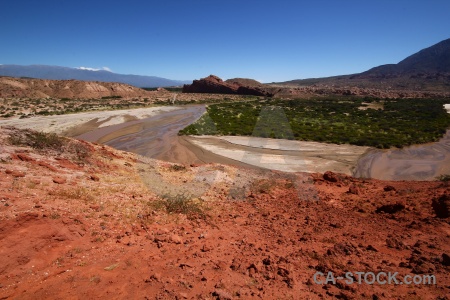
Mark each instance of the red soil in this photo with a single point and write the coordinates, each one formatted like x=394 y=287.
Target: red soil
x=85 y=228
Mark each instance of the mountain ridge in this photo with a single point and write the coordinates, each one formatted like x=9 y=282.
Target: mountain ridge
x=67 y=73
x=425 y=70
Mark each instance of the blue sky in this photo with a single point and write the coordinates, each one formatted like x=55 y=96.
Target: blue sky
x=265 y=40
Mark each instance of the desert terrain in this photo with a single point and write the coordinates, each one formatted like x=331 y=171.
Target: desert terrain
x=228 y=189
x=81 y=220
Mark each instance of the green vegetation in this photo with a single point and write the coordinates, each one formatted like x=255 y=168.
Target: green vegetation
x=444 y=178
x=25 y=108
x=365 y=122
x=177 y=168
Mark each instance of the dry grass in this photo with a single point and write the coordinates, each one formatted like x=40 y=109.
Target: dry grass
x=77 y=193
x=37 y=140
x=180 y=204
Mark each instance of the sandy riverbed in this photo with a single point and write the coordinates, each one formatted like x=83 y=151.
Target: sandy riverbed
x=75 y=124
x=157 y=137
x=152 y=132
x=284 y=155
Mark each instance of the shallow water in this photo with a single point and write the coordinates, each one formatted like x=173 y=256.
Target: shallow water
x=151 y=136
x=419 y=162
x=156 y=137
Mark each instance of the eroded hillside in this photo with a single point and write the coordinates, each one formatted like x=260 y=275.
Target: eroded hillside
x=87 y=221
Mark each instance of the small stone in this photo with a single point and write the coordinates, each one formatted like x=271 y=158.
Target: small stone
x=156 y=277
x=15 y=173
x=389 y=188
x=445 y=259
x=330 y=176
x=353 y=189
x=59 y=180
x=176 y=239
x=48 y=166
x=423 y=268
x=24 y=157
x=266 y=261
x=95 y=207
x=395 y=243
x=94 y=178
x=222 y=294
x=371 y=248
x=206 y=248
x=18 y=174
x=441 y=206
x=391 y=208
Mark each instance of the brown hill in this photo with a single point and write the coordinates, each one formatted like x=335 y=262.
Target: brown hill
x=244 y=82
x=73 y=89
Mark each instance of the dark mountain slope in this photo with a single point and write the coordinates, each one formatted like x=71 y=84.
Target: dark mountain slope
x=426 y=70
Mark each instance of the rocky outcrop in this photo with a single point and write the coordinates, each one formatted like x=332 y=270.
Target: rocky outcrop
x=239 y=86
x=214 y=85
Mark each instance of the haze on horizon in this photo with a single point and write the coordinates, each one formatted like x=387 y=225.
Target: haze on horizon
x=265 y=40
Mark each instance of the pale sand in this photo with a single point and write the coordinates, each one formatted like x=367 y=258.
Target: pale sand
x=62 y=124
x=284 y=155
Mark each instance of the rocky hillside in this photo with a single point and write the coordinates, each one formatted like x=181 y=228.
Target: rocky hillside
x=426 y=70
x=214 y=85
x=72 y=89
x=432 y=61
x=86 y=221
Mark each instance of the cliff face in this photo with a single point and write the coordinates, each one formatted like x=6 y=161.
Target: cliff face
x=73 y=89
x=214 y=85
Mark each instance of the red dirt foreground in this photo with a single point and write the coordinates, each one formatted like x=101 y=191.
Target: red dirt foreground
x=84 y=221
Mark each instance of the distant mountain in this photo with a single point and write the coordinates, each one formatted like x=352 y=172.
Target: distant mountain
x=426 y=70
x=64 y=73
x=432 y=60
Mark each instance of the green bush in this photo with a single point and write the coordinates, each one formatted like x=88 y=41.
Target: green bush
x=444 y=178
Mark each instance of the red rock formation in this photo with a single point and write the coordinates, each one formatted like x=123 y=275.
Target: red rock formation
x=214 y=85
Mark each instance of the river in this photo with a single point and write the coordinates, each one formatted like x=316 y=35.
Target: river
x=157 y=137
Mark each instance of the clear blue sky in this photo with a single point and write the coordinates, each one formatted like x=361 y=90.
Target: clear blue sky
x=265 y=40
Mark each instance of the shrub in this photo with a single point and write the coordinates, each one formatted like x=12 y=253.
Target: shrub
x=79 y=150
x=36 y=139
x=177 y=167
x=180 y=204
x=444 y=177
